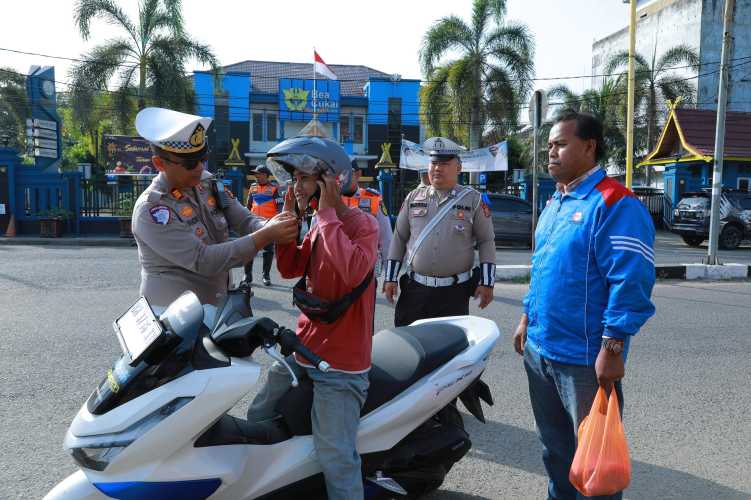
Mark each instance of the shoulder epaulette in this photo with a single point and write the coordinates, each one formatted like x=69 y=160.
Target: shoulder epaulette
x=154 y=196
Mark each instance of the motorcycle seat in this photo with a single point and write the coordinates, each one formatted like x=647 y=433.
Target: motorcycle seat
x=401 y=356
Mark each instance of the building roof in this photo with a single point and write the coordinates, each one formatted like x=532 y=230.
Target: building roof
x=265 y=75
x=689 y=135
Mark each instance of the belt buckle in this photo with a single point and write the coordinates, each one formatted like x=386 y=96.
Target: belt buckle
x=456 y=280
x=433 y=281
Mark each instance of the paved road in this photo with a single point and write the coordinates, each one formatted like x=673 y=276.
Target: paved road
x=687 y=396
x=669 y=249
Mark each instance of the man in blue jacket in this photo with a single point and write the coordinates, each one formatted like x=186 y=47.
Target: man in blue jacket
x=589 y=293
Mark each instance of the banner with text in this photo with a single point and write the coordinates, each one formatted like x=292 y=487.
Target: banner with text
x=133 y=152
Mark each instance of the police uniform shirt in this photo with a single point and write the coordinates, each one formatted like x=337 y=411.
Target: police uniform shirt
x=182 y=238
x=449 y=249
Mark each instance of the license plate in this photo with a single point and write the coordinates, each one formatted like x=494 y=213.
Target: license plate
x=137 y=330
x=688 y=215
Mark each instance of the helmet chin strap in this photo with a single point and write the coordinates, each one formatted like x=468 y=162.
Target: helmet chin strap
x=312 y=202
x=349 y=186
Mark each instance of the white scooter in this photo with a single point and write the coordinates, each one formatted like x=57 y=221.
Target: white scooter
x=157 y=426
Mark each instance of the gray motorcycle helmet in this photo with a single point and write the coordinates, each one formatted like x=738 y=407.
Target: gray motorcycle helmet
x=312 y=155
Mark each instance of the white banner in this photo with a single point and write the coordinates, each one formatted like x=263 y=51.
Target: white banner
x=412 y=157
x=491 y=159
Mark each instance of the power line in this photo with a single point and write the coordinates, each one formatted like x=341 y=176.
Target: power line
x=89 y=61
x=248 y=108
x=551 y=78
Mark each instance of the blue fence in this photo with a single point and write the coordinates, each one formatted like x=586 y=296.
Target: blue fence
x=34 y=194
x=89 y=206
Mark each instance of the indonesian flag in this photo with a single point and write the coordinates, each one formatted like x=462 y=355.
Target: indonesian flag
x=321 y=68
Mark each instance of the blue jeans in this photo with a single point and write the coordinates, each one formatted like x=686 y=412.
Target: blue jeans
x=337 y=400
x=561 y=397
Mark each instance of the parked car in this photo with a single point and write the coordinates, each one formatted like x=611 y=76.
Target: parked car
x=512 y=219
x=691 y=218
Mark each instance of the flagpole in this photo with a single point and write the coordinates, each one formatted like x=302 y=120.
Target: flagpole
x=315 y=96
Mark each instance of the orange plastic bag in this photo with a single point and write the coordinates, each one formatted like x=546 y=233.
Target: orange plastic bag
x=601 y=464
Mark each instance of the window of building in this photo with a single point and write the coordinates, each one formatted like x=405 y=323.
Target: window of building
x=358 y=132
x=744 y=183
x=271 y=127
x=344 y=131
x=258 y=127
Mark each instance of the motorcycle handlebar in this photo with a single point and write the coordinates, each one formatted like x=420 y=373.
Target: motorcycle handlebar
x=289 y=340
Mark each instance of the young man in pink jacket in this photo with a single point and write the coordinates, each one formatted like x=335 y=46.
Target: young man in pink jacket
x=337 y=258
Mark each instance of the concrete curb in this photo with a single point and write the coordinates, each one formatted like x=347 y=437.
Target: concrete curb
x=502 y=272
x=509 y=273
x=86 y=241
x=664 y=272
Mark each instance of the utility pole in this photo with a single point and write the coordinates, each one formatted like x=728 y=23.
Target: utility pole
x=630 y=99
x=538 y=109
x=719 y=138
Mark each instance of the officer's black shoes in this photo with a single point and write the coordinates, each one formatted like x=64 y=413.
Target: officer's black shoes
x=267 y=281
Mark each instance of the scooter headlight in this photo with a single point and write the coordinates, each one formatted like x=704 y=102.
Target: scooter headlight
x=95 y=458
x=96 y=452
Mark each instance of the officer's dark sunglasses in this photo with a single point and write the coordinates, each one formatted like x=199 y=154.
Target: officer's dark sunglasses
x=186 y=163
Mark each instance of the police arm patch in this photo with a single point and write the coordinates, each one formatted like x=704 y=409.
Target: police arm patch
x=160 y=214
x=485 y=209
x=485 y=204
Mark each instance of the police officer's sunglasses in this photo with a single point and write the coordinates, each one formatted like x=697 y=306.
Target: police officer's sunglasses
x=186 y=163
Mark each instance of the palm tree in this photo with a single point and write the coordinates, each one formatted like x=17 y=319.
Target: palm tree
x=14 y=107
x=488 y=80
x=608 y=104
x=148 y=61
x=656 y=83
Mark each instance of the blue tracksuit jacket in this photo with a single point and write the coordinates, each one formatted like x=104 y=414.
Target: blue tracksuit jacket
x=592 y=271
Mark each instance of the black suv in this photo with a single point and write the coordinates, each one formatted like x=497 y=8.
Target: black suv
x=691 y=218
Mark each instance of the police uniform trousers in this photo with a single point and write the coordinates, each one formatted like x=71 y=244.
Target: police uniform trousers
x=417 y=301
x=268 y=259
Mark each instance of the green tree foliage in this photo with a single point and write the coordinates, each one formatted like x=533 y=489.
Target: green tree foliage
x=608 y=104
x=488 y=77
x=147 y=61
x=14 y=108
x=656 y=82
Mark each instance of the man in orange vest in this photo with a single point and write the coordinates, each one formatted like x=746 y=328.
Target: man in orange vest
x=262 y=201
x=370 y=201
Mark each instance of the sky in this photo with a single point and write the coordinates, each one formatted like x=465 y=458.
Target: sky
x=384 y=34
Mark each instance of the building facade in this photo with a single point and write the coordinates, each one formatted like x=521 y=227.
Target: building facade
x=261 y=103
x=685 y=152
x=663 y=24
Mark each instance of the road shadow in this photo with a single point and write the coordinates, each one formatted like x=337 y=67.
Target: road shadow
x=20 y=281
x=269 y=305
x=520 y=448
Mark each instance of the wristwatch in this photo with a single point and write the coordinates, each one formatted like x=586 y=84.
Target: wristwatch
x=613 y=346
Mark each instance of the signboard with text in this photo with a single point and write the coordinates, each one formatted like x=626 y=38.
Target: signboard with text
x=296 y=99
x=133 y=152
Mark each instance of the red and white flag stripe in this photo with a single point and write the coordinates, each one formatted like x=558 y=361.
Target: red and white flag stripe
x=321 y=68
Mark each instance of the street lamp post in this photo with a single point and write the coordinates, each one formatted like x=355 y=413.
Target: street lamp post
x=719 y=139
x=630 y=98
